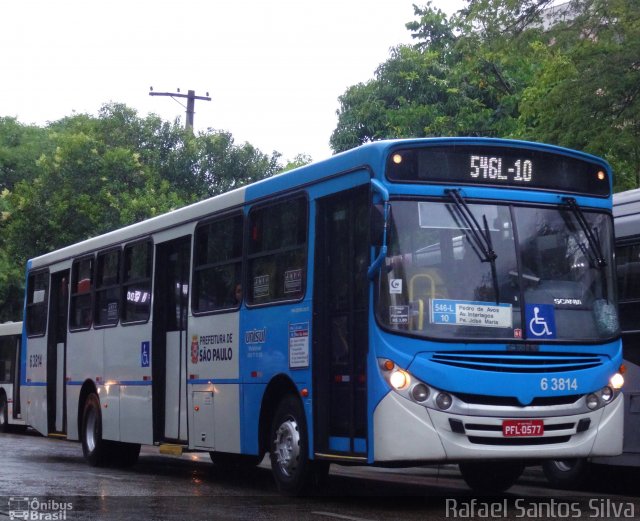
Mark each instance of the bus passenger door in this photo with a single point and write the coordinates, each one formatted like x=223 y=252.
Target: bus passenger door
x=170 y=338
x=17 y=375
x=340 y=323
x=57 y=352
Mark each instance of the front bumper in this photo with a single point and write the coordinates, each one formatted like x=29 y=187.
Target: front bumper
x=406 y=431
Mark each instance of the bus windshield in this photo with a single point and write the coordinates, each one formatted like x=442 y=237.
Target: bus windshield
x=462 y=270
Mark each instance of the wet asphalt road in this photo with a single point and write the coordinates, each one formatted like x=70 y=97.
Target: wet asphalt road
x=48 y=479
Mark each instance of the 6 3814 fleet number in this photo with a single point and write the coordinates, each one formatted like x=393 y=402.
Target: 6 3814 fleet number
x=559 y=384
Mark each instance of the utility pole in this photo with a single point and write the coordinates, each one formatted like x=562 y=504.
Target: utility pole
x=191 y=101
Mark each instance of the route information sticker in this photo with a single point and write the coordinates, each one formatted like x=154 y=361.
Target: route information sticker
x=469 y=313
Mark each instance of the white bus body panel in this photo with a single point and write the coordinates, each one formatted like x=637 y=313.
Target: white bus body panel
x=175 y=418
x=34 y=393
x=110 y=407
x=404 y=430
x=214 y=356
x=136 y=414
x=124 y=368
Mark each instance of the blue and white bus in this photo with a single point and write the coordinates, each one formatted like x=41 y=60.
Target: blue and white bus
x=407 y=302
x=10 y=346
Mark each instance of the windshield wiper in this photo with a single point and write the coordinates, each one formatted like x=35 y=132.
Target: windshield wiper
x=479 y=238
x=596 y=253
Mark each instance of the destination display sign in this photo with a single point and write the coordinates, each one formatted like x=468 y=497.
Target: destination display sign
x=468 y=313
x=493 y=165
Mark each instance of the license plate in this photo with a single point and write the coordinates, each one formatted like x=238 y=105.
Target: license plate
x=522 y=428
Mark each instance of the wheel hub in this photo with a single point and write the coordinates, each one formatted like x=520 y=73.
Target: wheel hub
x=287 y=446
x=90 y=431
x=565 y=465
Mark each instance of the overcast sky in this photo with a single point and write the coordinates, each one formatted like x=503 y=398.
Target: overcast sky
x=274 y=69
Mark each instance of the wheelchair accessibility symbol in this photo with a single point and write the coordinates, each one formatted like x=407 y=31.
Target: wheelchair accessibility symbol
x=541 y=321
x=144 y=354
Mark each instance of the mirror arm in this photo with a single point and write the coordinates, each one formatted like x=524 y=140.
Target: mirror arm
x=379 y=188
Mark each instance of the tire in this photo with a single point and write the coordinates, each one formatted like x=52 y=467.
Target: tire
x=292 y=469
x=491 y=477
x=94 y=448
x=566 y=474
x=4 y=413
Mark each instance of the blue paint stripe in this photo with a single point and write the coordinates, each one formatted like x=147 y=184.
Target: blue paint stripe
x=123 y=382
x=34 y=384
x=213 y=381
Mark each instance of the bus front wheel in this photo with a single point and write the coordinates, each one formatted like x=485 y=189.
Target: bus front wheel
x=566 y=473
x=94 y=447
x=491 y=477
x=289 y=454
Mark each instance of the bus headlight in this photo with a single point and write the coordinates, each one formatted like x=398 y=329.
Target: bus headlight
x=399 y=379
x=593 y=402
x=606 y=394
x=444 y=401
x=616 y=381
x=420 y=392
x=409 y=387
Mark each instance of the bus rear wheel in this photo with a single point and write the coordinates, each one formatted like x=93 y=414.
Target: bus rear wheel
x=4 y=413
x=491 y=477
x=292 y=469
x=94 y=447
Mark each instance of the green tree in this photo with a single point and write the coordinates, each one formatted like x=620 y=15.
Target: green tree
x=298 y=161
x=463 y=76
x=510 y=68
x=20 y=147
x=587 y=95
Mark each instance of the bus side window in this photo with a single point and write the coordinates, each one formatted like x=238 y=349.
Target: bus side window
x=37 y=301
x=136 y=283
x=107 y=304
x=277 y=252
x=6 y=357
x=80 y=316
x=217 y=266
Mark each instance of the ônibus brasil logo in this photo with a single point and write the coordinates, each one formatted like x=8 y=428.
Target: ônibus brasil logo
x=37 y=509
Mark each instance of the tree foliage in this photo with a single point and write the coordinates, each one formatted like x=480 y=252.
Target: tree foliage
x=567 y=75
x=85 y=175
x=588 y=93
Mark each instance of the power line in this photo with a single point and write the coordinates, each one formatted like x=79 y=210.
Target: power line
x=191 y=101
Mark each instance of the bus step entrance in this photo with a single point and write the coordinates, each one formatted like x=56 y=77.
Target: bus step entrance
x=171 y=449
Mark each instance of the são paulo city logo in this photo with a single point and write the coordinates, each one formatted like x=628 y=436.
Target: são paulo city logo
x=211 y=348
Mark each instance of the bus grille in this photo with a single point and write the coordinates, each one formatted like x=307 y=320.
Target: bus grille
x=489 y=431
x=512 y=401
x=518 y=362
